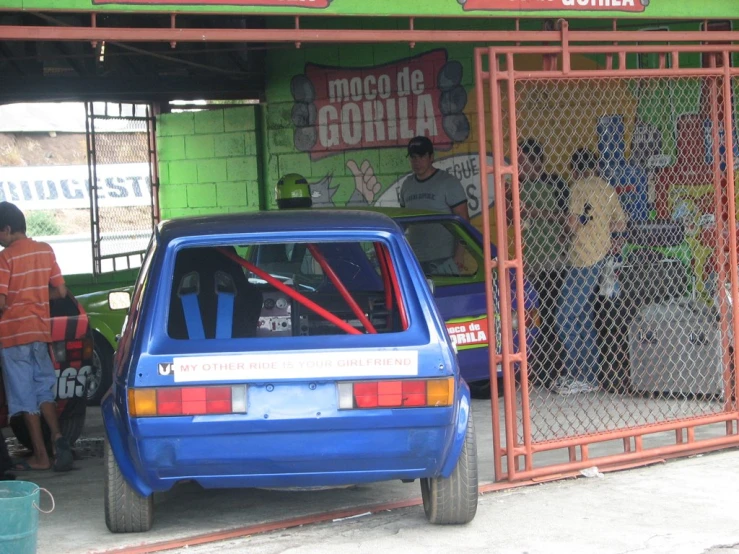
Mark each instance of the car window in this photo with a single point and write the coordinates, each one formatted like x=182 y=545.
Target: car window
x=282 y=290
x=132 y=318
x=444 y=248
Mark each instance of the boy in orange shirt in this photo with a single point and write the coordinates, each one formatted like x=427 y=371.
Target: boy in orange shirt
x=29 y=276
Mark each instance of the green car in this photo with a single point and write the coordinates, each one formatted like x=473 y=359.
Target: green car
x=106 y=311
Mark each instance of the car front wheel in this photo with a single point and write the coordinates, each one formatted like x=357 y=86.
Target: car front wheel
x=453 y=500
x=126 y=511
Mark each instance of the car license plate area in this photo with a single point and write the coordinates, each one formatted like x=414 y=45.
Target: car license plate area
x=281 y=400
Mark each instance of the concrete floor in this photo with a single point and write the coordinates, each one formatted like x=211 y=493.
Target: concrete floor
x=77 y=524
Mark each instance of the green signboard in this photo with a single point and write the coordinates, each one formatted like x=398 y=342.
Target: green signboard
x=652 y=9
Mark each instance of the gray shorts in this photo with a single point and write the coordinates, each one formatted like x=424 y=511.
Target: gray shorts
x=29 y=377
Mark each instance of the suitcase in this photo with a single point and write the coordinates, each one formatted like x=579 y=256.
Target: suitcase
x=675 y=347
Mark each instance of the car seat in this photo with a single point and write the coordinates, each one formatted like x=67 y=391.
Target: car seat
x=207 y=283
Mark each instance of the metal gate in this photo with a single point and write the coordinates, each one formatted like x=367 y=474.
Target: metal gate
x=123 y=173
x=635 y=362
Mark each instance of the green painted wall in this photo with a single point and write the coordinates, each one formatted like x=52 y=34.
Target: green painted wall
x=502 y=8
x=208 y=162
x=340 y=172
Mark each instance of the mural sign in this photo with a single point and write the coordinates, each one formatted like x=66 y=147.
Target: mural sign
x=338 y=109
x=657 y=9
x=278 y=3
x=569 y=5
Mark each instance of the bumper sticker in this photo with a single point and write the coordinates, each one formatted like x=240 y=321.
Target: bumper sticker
x=323 y=365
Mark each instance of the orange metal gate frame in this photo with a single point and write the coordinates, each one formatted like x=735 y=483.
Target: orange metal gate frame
x=494 y=75
x=552 y=45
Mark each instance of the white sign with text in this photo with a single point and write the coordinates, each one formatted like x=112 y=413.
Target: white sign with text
x=56 y=187
x=322 y=365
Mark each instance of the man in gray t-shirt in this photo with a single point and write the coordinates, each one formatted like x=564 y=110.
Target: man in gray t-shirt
x=432 y=189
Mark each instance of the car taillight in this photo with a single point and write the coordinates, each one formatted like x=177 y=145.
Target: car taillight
x=186 y=401
x=396 y=394
x=74 y=350
x=59 y=351
x=87 y=348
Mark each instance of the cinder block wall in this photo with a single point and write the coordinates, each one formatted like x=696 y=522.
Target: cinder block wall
x=208 y=162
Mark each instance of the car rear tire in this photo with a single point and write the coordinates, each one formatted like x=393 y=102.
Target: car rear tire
x=101 y=374
x=70 y=427
x=453 y=500
x=126 y=511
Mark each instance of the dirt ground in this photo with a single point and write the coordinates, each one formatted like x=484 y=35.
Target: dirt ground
x=44 y=149
x=34 y=149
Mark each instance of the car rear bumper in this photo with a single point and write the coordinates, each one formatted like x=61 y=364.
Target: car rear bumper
x=238 y=451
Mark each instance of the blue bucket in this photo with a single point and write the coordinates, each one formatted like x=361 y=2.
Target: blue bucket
x=19 y=508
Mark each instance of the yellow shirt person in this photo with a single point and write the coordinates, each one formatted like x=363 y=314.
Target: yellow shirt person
x=597 y=202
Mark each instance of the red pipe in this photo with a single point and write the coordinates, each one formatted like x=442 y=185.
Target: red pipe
x=168 y=34
x=396 y=287
x=328 y=270
x=385 y=277
x=340 y=323
x=731 y=194
x=481 y=79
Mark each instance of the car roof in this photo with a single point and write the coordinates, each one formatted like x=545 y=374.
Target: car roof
x=403 y=213
x=312 y=219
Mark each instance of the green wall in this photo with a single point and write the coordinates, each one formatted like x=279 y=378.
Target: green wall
x=208 y=162
x=337 y=172
x=382 y=8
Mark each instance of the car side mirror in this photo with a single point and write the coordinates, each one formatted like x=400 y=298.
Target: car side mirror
x=431 y=284
x=119 y=300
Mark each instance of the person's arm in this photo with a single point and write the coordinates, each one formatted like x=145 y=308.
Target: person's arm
x=401 y=197
x=456 y=197
x=4 y=282
x=575 y=209
x=57 y=292
x=57 y=288
x=462 y=211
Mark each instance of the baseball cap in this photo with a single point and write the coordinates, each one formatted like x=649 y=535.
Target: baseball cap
x=420 y=146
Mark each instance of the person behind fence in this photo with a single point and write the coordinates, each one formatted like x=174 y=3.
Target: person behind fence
x=29 y=276
x=544 y=198
x=433 y=189
x=594 y=213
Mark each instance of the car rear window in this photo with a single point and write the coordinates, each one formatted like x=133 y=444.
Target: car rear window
x=284 y=290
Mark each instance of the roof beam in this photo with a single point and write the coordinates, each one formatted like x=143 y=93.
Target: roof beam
x=125 y=89
x=127 y=34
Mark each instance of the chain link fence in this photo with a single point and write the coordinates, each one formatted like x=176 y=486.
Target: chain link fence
x=619 y=226
x=121 y=153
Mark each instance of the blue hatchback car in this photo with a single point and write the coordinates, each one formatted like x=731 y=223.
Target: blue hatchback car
x=235 y=372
